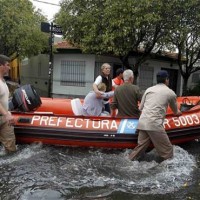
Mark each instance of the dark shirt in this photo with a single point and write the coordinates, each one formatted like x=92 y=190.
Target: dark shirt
x=108 y=83
x=126 y=99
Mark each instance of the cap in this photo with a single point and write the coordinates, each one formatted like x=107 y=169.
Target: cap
x=163 y=73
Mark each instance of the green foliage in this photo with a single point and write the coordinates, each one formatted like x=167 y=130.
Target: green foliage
x=20 y=28
x=184 y=36
x=112 y=26
x=123 y=28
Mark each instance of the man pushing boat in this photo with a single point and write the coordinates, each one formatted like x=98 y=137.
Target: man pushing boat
x=153 y=105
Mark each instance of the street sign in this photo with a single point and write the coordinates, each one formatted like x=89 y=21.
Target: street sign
x=53 y=28
x=45 y=27
x=56 y=29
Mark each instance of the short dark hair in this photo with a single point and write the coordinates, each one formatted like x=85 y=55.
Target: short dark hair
x=119 y=71
x=161 y=76
x=4 y=59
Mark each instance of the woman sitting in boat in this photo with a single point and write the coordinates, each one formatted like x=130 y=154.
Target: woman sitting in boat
x=94 y=104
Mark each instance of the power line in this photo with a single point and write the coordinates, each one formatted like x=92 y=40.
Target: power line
x=53 y=4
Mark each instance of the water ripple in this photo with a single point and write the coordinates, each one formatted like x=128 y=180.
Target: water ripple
x=44 y=172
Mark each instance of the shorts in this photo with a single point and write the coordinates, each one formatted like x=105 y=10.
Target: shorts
x=7 y=137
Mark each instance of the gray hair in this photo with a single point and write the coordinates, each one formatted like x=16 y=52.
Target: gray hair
x=128 y=73
x=105 y=65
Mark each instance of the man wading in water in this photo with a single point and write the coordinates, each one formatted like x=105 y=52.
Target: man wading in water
x=153 y=105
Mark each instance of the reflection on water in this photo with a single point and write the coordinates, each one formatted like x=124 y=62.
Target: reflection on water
x=46 y=172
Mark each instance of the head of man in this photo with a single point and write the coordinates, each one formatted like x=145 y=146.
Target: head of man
x=163 y=77
x=119 y=72
x=128 y=76
x=4 y=65
x=105 y=69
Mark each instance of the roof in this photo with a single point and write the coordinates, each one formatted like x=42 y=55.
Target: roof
x=65 y=45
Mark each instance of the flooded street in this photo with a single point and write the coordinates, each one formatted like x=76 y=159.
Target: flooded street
x=58 y=173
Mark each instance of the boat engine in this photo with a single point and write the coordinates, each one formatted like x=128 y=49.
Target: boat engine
x=25 y=99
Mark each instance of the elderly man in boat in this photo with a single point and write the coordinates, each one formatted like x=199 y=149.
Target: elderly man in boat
x=126 y=97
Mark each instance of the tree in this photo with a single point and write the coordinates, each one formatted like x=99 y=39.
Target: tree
x=20 y=28
x=135 y=28
x=184 y=36
x=116 y=27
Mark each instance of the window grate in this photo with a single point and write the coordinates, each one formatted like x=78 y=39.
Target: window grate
x=73 y=73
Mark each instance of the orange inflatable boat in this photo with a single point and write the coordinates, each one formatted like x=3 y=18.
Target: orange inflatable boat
x=60 y=122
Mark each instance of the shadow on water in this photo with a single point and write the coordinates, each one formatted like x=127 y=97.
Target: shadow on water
x=46 y=172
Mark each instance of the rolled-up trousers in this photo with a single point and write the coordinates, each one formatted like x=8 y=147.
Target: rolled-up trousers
x=7 y=137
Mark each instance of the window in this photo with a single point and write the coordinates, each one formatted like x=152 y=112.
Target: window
x=195 y=78
x=73 y=73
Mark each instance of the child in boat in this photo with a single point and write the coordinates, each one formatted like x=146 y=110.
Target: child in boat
x=118 y=80
x=94 y=104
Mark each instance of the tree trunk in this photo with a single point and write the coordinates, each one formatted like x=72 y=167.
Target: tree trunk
x=185 y=82
x=125 y=61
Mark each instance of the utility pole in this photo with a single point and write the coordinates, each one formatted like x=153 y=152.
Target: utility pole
x=51 y=41
x=52 y=29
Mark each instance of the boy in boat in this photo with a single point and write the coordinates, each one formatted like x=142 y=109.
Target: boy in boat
x=94 y=104
x=7 y=136
x=150 y=125
x=118 y=80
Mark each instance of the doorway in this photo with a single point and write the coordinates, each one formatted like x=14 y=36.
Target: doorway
x=173 y=77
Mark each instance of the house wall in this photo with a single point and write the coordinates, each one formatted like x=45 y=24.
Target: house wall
x=35 y=71
x=90 y=62
x=149 y=69
x=194 y=79
x=69 y=91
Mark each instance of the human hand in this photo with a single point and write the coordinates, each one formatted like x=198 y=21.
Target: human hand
x=178 y=113
x=99 y=94
x=9 y=118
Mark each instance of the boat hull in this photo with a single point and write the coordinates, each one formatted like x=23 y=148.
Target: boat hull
x=101 y=140
x=100 y=132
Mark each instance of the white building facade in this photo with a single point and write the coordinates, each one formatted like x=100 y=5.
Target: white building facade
x=74 y=73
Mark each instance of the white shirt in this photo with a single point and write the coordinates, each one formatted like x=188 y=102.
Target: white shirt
x=154 y=104
x=4 y=94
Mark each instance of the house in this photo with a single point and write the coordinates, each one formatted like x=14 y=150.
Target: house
x=194 y=79
x=74 y=72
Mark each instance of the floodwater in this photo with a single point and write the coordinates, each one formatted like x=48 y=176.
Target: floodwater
x=40 y=172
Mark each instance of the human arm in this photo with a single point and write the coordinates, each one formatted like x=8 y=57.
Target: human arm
x=142 y=101
x=173 y=105
x=7 y=116
x=97 y=81
x=107 y=94
x=113 y=106
x=114 y=85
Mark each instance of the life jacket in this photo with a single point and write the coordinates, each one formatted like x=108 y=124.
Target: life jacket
x=118 y=81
